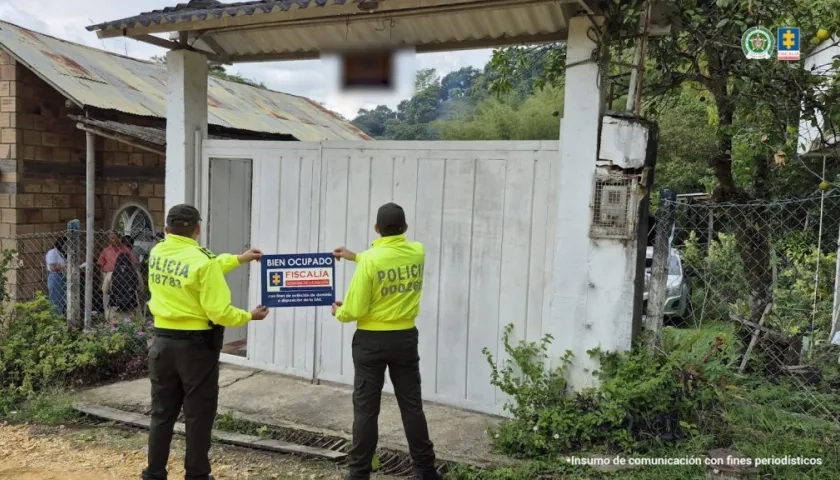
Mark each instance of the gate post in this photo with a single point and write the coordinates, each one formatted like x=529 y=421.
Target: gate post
x=603 y=179
x=659 y=266
x=584 y=107
x=73 y=273
x=186 y=118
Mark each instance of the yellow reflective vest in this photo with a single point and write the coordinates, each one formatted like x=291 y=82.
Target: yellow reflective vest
x=386 y=288
x=188 y=287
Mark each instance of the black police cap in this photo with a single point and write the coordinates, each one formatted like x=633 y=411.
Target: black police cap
x=390 y=215
x=183 y=215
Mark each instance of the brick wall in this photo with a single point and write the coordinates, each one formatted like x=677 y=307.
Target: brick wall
x=10 y=138
x=42 y=172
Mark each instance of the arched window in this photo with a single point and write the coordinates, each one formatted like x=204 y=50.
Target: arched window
x=135 y=221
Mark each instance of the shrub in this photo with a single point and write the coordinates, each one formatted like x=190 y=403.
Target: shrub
x=39 y=351
x=645 y=397
x=720 y=288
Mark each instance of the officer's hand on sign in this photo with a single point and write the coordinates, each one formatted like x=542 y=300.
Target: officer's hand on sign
x=259 y=313
x=335 y=306
x=342 y=252
x=250 y=255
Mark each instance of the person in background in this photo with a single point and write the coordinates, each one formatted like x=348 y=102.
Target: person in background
x=127 y=241
x=127 y=286
x=144 y=270
x=384 y=300
x=108 y=261
x=140 y=253
x=56 y=279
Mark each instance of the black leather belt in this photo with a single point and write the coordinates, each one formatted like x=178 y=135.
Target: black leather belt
x=181 y=334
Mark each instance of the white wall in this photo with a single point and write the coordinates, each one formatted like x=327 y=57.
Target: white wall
x=820 y=61
x=484 y=210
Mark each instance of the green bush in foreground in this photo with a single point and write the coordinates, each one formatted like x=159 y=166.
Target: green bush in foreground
x=39 y=351
x=682 y=401
x=645 y=398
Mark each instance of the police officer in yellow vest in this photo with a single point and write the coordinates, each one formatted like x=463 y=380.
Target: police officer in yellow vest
x=191 y=306
x=384 y=299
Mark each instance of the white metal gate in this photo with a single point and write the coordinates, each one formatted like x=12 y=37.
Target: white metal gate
x=484 y=210
x=229 y=210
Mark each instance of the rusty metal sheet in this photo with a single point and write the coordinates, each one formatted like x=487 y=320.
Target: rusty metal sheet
x=105 y=80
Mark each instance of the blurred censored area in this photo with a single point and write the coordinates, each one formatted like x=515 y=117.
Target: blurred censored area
x=54 y=264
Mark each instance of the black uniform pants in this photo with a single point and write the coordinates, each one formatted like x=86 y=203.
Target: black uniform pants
x=184 y=370
x=372 y=352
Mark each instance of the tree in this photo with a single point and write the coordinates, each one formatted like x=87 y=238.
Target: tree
x=537 y=118
x=219 y=71
x=458 y=83
x=423 y=107
x=686 y=140
x=757 y=105
x=426 y=78
x=520 y=70
x=375 y=122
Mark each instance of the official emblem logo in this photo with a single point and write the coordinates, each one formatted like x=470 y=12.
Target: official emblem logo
x=757 y=43
x=788 y=40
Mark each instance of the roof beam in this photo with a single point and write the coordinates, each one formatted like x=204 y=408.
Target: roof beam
x=213 y=45
x=428 y=48
x=119 y=138
x=170 y=45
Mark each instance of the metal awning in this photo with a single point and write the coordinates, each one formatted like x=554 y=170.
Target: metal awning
x=153 y=138
x=272 y=30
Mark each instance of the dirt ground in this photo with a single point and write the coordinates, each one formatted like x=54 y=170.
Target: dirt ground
x=57 y=453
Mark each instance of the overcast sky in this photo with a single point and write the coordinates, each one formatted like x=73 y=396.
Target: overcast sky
x=315 y=79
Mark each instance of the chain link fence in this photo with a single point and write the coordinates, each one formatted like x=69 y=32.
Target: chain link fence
x=45 y=262
x=765 y=272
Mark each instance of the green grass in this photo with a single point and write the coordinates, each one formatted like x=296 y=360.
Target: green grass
x=52 y=407
x=228 y=423
x=763 y=420
x=766 y=431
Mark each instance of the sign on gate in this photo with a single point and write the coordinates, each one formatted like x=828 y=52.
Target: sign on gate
x=298 y=280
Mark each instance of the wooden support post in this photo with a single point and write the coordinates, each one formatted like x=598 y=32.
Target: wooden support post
x=73 y=274
x=657 y=288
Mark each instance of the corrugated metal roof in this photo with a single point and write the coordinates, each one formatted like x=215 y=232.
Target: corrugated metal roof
x=291 y=29
x=101 y=79
x=198 y=10
x=428 y=33
x=204 y=9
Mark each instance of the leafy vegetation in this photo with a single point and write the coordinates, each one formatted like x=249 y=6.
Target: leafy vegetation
x=679 y=402
x=40 y=352
x=645 y=399
x=460 y=106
